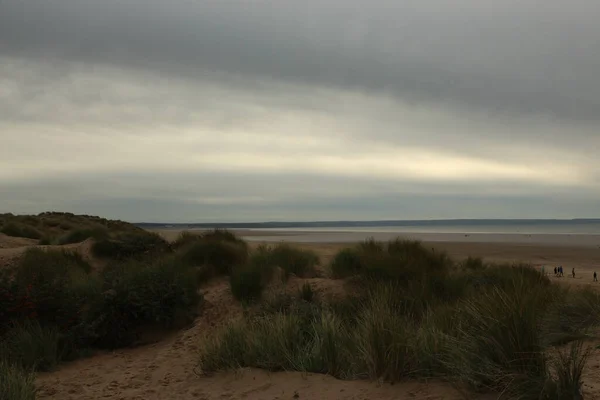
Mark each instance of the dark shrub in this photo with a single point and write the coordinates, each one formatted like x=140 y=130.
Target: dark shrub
x=53 y=287
x=162 y=294
x=401 y=260
x=248 y=281
x=24 y=231
x=473 y=264
x=294 y=261
x=130 y=244
x=291 y=260
x=12 y=304
x=222 y=235
x=347 y=262
x=220 y=255
x=80 y=235
x=185 y=238
x=371 y=246
x=32 y=346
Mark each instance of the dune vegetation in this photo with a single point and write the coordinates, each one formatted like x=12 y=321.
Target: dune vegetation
x=56 y=228
x=408 y=312
x=412 y=312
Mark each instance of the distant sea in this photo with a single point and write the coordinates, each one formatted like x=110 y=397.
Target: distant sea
x=554 y=227
x=558 y=229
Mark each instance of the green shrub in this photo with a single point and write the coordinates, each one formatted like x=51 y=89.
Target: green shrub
x=15 y=383
x=400 y=260
x=52 y=287
x=32 y=346
x=130 y=245
x=294 y=261
x=161 y=294
x=185 y=238
x=347 y=262
x=498 y=347
x=371 y=246
x=291 y=260
x=222 y=235
x=79 y=235
x=248 y=282
x=221 y=256
x=18 y=230
x=473 y=264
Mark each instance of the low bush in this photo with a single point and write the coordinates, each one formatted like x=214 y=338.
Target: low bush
x=346 y=262
x=32 y=346
x=162 y=294
x=222 y=235
x=220 y=256
x=473 y=264
x=19 y=230
x=130 y=245
x=399 y=260
x=291 y=260
x=498 y=347
x=16 y=383
x=299 y=262
x=185 y=238
x=248 y=281
x=79 y=235
x=52 y=287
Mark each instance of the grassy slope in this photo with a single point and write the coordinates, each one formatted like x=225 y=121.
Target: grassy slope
x=61 y=228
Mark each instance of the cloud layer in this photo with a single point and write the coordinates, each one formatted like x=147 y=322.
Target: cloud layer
x=253 y=110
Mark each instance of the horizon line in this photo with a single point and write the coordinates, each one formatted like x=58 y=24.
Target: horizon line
x=379 y=221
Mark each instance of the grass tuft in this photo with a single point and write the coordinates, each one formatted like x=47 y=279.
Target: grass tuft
x=32 y=346
x=16 y=383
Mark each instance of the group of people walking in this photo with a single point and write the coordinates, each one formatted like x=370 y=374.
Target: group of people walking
x=558 y=271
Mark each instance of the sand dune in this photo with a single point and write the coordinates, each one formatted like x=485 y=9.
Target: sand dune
x=166 y=369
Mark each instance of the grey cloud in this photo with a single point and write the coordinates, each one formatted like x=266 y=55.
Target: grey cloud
x=182 y=197
x=73 y=97
x=504 y=57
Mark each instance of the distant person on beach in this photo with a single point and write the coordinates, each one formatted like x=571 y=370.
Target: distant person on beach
x=573 y=272
x=595 y=277
x=555 y=271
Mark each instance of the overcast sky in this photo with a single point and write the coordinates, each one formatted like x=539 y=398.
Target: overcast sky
x=254 y=110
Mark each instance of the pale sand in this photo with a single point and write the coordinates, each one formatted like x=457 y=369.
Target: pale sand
x=165 y=369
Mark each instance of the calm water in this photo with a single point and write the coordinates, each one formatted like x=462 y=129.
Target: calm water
x=553 y=229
